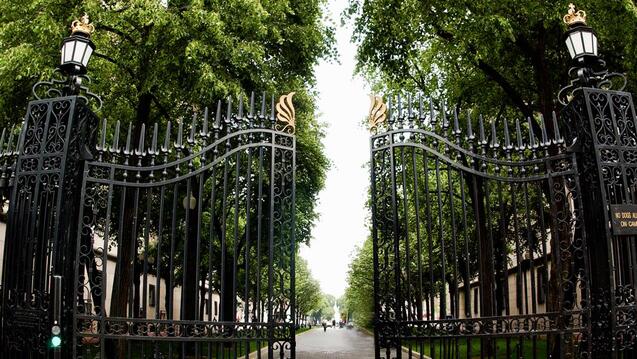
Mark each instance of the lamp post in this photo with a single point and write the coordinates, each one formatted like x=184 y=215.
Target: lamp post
x=588 y=70
x=581 y=40
x=76 y=53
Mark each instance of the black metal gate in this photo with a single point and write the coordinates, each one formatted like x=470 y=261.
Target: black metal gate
x=479 y=247
x=166 y=242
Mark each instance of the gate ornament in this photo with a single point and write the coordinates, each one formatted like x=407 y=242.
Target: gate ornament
x=377 y=112
x=83 y=26
x=574 y=17
x=286 y=114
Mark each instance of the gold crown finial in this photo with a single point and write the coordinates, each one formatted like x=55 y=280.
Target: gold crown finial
x=82 y=26
x=574 y=17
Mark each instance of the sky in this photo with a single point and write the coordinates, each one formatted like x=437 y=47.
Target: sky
x=342 y=104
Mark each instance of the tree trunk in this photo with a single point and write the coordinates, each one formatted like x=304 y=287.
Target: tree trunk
x=127 y=243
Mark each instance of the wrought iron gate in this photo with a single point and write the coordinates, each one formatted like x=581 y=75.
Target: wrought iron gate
x=479 y=247
x=174 y=242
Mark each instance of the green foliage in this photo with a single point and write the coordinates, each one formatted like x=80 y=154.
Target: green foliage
x=359 y=295
x=308 y=290
x=494 y=56
x=156 y=63
x=325 y=311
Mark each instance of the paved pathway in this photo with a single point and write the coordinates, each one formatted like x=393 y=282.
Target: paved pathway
x=334 y=344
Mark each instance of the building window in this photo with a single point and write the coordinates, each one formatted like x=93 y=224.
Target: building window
x=476 y=302
x=542 y=280
x=151 y=295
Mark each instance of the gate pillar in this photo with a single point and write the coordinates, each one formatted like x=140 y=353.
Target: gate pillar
x=42 y=226
x=602 y=129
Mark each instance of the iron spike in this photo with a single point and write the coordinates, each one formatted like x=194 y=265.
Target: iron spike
x=166 y=146
x=545 y=136
x=483 y=140
x=115 y=147
x=272 y=113
x=494 y=136
x=470 y=135
x=154 y=142
x=421 y=113
x=127 y=151
x=532 y=142
x=456 y=122
x=432 y=113
x=390 y=113
x=10 y=142
x=409 y=109
x=142 y=138
x=400 y=118
x=193 y=130
x=103 y=139
x=507 y=136
x=556 y=130
x=217 y=125
x=2 y=138
x=445 y=122
x=204 y=130
x=252 y=104
x=180 y=134
x=240 y=108
x=263 y=99
x=229 y=110
x=518 y=131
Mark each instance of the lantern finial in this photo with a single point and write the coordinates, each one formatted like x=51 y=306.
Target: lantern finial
x=574 y=17
x=82 y=26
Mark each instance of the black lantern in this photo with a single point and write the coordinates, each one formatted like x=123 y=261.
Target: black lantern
x=77 y=48
x=581 y=40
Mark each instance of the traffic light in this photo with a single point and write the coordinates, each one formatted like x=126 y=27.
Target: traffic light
x=56 y=340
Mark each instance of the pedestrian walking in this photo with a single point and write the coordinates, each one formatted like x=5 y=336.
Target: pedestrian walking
x=324 y=327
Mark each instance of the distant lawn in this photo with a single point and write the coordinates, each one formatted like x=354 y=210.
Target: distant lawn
x=457 y=348
x=217 y=350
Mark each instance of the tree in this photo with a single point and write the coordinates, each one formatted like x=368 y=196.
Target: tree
x=325 y=311
x=308 y=290
x=498 y=57
x=359 y=295
x=159 y=63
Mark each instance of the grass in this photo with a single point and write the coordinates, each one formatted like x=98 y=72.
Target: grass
x=143 y=350
x=458 y=348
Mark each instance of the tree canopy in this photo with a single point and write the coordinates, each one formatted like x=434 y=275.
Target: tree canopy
x=158 y=63
x=504 y=57
x=359 y=295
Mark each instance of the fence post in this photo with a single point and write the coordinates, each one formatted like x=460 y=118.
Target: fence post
x=42 y=225
x=602 y=130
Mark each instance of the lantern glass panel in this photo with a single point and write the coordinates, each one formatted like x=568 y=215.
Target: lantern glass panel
x=87 y=55
x=68 y=53
x=588 y=42
x=80 y=47
x=569 y=44
x=578 y=45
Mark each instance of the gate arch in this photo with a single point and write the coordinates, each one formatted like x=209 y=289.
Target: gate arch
x=479 y=248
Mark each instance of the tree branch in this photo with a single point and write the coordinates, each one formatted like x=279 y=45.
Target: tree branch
x=117 y=32
x=114 y=62
x=491 y=73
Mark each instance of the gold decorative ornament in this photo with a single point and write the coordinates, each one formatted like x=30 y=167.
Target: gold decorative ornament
x=286 y=114
x=82 y=26
x=574 y=17
x=377 y=112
